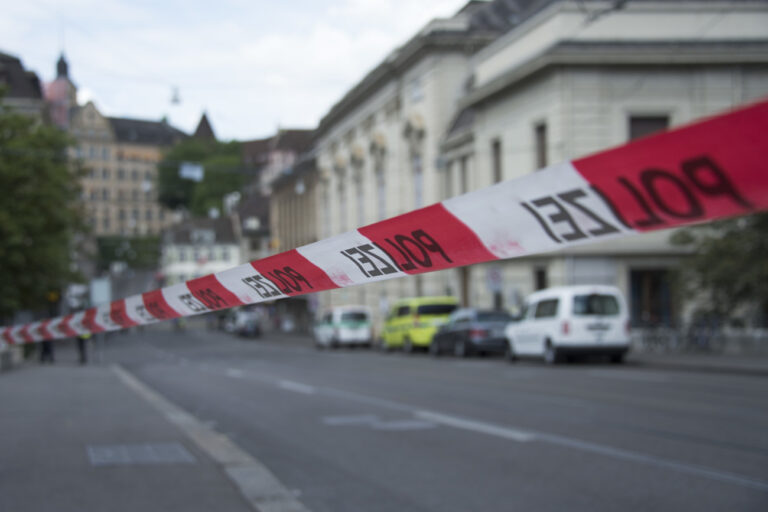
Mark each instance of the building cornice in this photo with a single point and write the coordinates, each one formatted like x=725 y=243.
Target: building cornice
x=397 y=63
x=625 y=54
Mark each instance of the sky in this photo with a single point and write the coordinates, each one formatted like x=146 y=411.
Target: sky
x=252 y=65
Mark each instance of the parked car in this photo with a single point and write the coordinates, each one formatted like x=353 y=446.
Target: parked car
x=344 y=325
x=413 y=322
x=558 y=323
x=243 y=321
x=472 y=331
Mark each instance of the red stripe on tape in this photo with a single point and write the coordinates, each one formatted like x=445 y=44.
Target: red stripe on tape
x=157 y=306
x=714 y=168
x=24 y=331
x=212 y=293
x=118 y=314
x=293 y=274
x=7 y=336
x=89 y=321
x=43 y=329
x=64 y=326
x=422 y=241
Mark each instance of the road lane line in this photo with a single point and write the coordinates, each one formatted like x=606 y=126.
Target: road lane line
x=513 y=434
x=234 y=373
x=298 y=387
x=618 y=453
x=259 y=486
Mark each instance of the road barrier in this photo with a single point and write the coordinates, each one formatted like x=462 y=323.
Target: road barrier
x=712 y=169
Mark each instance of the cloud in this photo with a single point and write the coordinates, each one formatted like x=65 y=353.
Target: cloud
x=250 y=64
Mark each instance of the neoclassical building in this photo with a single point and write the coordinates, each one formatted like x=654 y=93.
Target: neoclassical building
x=378 y=148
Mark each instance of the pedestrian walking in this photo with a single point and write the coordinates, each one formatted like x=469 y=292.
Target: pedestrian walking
x=46 y=351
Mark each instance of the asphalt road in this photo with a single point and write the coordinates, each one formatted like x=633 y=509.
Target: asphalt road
x=355 y=430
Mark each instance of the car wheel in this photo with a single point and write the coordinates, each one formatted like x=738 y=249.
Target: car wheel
x=434 y=349
x=460 y=349
x=408 y=346
x=510 y=353
x=550 y=354
x=617 y=358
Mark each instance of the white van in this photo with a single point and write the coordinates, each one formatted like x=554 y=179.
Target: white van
x=344 y=325
x=571 y=320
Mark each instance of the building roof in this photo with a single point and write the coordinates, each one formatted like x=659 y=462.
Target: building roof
x=185 y=232
x=304 y=165
x=139 y=131
x=296 y=140
x=20 y=83
x=471 y=28
x=204 y=129
x=255 y=152
x=254 y=205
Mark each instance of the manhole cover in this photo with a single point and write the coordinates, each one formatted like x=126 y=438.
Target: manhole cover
x=123 y=454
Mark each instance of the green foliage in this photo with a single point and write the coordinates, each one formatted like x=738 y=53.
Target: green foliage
x=39 y=212
x=138 y=252
x=223 y=174
x=729 y=265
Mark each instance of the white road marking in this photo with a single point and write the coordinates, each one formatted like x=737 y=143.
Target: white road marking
x=298 y=387
x=258 y=485
x=513 y=434
x=234 y=373
x=374 y=422
x=628 y=375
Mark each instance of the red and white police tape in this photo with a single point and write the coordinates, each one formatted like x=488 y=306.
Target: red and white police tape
x=708 y=170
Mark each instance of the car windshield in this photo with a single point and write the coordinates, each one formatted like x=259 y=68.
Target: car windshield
x=436 y=309
x=595 y=304
x=354 y=316
x=494 y=316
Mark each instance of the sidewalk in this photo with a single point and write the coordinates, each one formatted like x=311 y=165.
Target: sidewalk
x=77 y=438
x=715 y=363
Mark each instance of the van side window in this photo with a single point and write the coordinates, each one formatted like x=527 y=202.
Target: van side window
x=403 y=310
x=546 y=309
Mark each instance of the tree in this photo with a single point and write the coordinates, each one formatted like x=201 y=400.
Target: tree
x=223 y=174
x=728 y=269
x=39 y=212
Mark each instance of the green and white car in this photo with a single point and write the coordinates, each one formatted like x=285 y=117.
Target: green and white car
x=344 y=326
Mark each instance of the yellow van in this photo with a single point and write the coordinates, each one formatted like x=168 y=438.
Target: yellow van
x=413 y=322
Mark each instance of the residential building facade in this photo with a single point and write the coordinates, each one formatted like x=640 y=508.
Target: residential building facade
x=198 y=247
x=23 y=90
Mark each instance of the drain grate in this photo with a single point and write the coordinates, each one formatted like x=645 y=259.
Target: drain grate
x=126 y=454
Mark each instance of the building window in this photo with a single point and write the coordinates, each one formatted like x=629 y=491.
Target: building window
x=94 y=194
x=360 y=200
x=135 y=194
x=105 y=223
x=105 y=174
x=91 y=152
x=540 y=278
x=448 y=181
x=121 y=214
x=463 y=177
x=182 y=255
x=135 y=214
x=342 y=207
x=540 y=136
x=105 y=194
x=640 y=126
x=120 y=174
x=161 y=215
x=496 y=160
x=148 y=215
x=418 y=181
x=135 y=175
x=381 y=189
x=105 y=153
x=148 y=175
